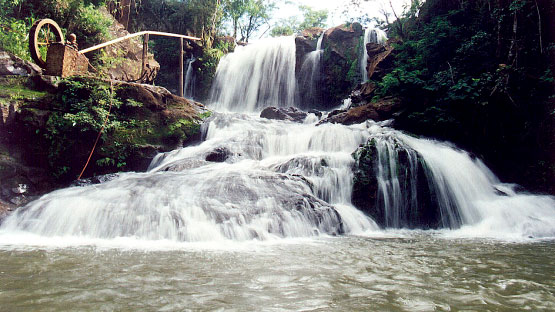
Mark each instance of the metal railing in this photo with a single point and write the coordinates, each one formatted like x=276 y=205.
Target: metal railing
x=145 y=49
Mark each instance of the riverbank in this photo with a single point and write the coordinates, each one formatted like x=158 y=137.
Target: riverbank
x=50 y=125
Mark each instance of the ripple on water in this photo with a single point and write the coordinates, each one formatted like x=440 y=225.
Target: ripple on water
x=418 y=272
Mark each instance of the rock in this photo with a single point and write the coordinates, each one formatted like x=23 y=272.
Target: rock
x=95 y=180
x=340 y=56
x=184 y=164
x=380 y=59
x=20 y=184
x=362 y=94
x=380 y=110
x=419 y=206
x=46 y=83
x=353 y=116
x=220 y=154
x=13 y=65
x=131 y=52
x=281 y=113
x=304 y=44
x=160 y=122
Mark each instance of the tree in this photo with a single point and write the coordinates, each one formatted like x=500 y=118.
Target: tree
x=257 y=13
x=287 y=27
x=311 y=18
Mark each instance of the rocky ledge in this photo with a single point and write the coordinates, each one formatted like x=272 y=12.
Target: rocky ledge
x=48 y=127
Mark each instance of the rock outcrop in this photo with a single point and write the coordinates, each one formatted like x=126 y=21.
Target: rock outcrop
x=417 y=206
x=41 y=150
x=340 y=63
x=284 y=113
x=127 y=55
x=380 y=110
x=380 y=60
x=304 y=44
x=13 y=65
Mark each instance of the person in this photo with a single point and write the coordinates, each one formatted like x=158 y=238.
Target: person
x=72 y=41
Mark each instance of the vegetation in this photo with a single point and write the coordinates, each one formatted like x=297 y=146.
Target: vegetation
x=84 y=107
x=476 y=73
x=311 y=18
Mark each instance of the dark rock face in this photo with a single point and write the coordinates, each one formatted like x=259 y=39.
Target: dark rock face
x=220 y=154
x=304 y=44
x=418 y=205
x=380 y=60
x=340 y=63
x=280 y=113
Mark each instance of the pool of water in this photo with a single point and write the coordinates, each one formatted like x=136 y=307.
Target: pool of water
x=398 y=271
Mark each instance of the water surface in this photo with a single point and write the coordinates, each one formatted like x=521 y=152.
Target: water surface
x=411 y=271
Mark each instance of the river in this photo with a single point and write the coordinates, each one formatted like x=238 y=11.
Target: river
x=393 y=271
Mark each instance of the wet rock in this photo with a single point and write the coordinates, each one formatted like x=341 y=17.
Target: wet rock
x=281 y=113
x=184 y=164
x=340 y=55
x=362 y=94
x=279 y=196
x=380 y=59
x=220 y=154
x=13 y=65
x=95 y=180
x=380 y=110
x=304 y=44
x=419 y=207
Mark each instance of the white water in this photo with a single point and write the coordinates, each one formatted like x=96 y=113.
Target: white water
x=373 y=35
x=310 y=76
x=189 y=83
x=280 y=179
x=470 y=197
x=259 y=75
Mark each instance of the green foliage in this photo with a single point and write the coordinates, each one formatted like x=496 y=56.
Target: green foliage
x=311 y=18
x=475 y=75
x=82 y=109
x=13 y=36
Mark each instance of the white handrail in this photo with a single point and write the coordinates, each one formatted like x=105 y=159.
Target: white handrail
x=157 y=33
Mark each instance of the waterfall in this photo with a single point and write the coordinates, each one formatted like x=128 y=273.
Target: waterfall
x=278 y=180
x=189 y=84
x=422 y=180
x=259 y=75
x=309 y=79
x=373 y=35
x=257 y=179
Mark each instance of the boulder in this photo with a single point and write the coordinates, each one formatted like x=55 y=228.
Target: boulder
x=362 y=94
x=284 y=113
x=13 y=65
x=380 y=110
x=220 y=154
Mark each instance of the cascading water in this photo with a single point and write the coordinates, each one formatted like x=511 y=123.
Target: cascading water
x=280 y=180
x=371 y=35
x=189 y=83
x=253 y=178
x=309 y=80
x=423 y=181
x=257 y=76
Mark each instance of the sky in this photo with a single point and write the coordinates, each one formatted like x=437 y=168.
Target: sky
x=336 y=9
